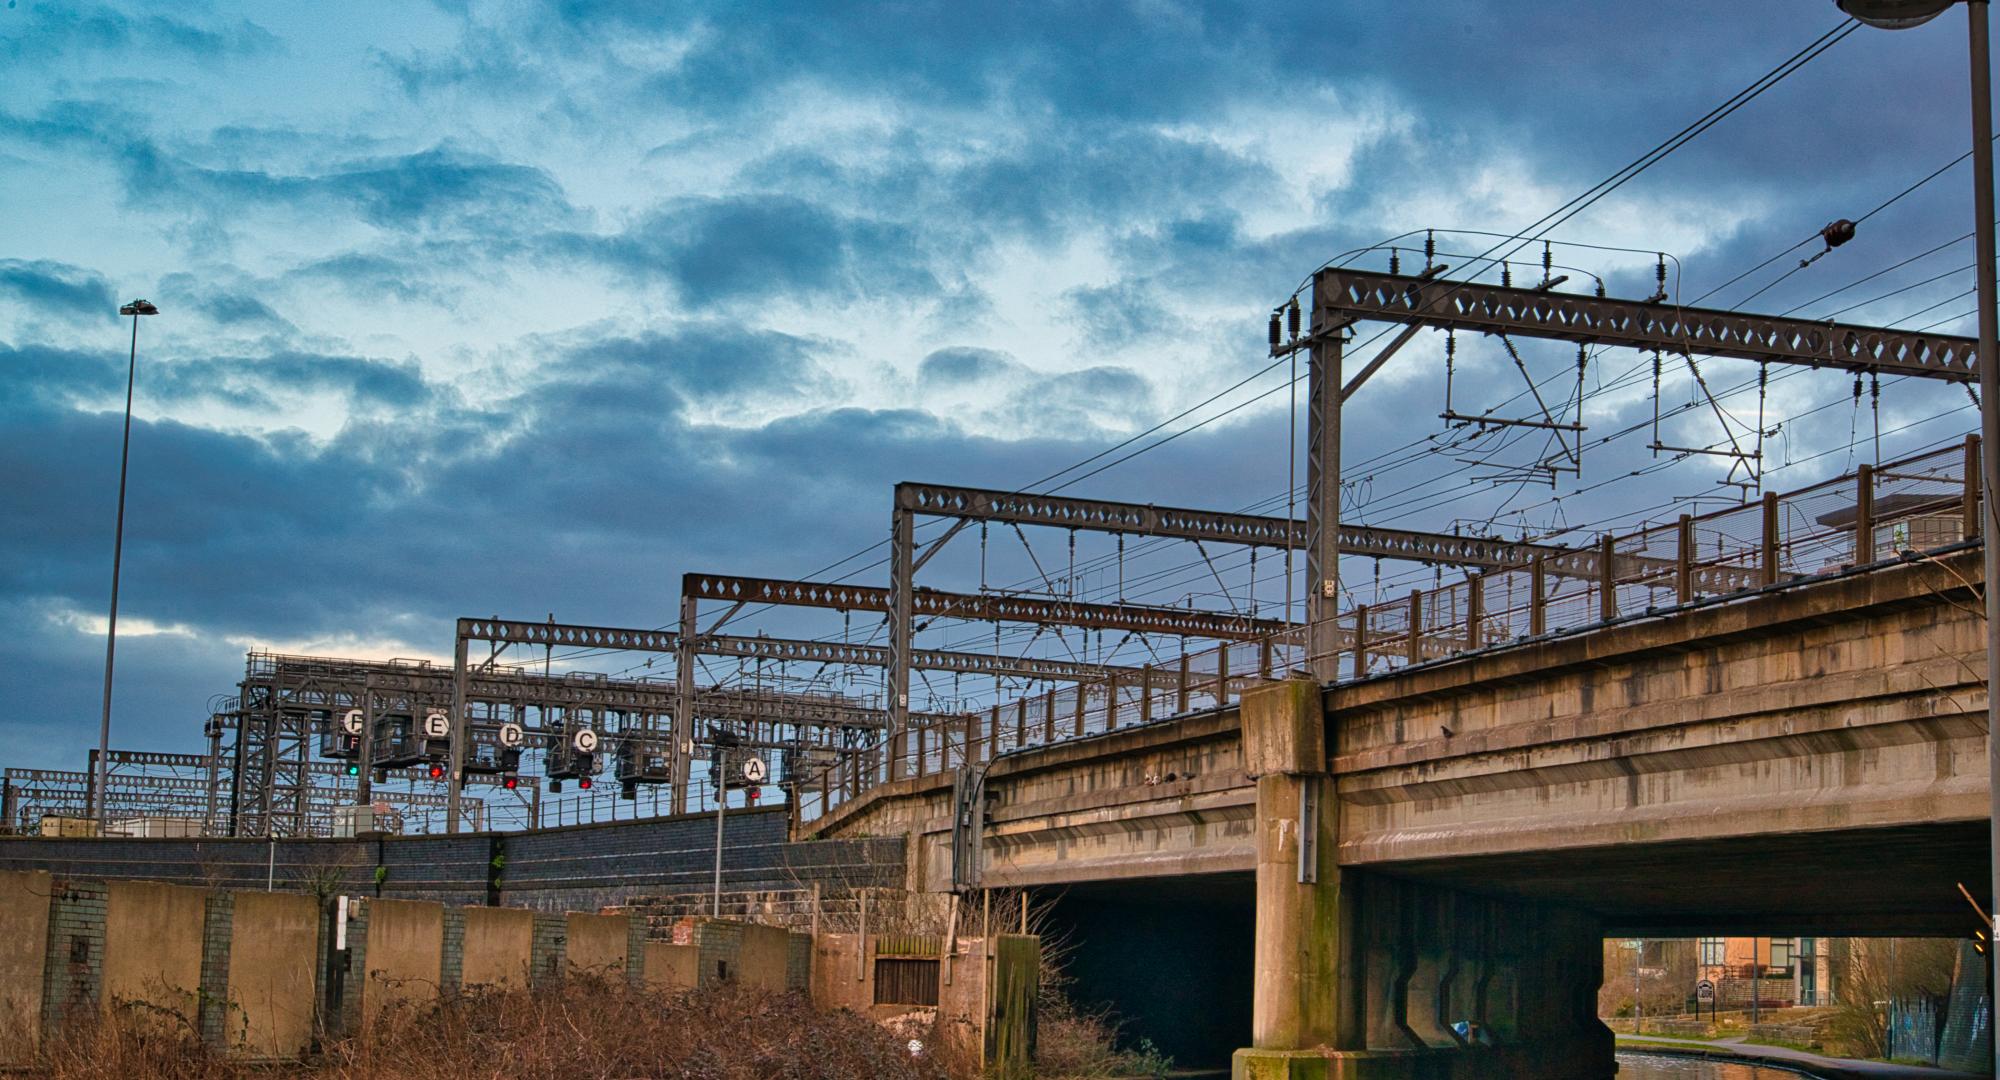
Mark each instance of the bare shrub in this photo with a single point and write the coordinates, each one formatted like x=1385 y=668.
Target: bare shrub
x=1880 y=970
x=583 y=1027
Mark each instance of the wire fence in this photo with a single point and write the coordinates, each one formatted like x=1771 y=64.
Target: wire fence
x=1875 y=515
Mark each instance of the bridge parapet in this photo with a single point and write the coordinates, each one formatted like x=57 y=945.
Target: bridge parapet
x=1877 y=517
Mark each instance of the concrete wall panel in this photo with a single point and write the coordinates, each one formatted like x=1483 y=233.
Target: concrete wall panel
x=152 y=951
x=596 y=942
x=24 y=935
x=762 y=958
x=498 y=945
x=273 y=951
x=839 y=977
x=405 y=954
x=670 y=966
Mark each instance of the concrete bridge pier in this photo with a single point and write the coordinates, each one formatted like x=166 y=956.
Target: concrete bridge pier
x=1361 y=976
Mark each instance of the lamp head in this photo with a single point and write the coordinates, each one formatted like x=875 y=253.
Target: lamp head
x=139 y=307
x=1894 y=14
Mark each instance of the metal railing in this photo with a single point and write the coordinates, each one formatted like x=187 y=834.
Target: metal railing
x=1874 y=515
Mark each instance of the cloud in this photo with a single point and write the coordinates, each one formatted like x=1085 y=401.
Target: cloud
x=439 y=187
x=1112 y=316
x=59 y=379
x=715 y=251
x=549 y=370
x=52 y=288
x=53 y=30
x=695 y=364
x=373 y=276
x=960 y=366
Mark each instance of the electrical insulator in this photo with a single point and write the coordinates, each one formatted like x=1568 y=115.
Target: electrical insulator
x=1275 y=338
x=1292 y=317
x=1837 y=233
x=1430 y=248
x=1395 y=261
x=1506 y=275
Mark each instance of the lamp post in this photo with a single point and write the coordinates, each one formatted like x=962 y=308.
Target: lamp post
x=99 y=782
x=1899 y=15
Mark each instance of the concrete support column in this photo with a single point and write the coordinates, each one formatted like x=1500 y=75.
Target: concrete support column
x=1307 y=1009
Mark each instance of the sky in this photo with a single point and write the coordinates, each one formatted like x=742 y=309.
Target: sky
x=528 y=308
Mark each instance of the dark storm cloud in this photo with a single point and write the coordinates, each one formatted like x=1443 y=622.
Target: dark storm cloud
x=718 y=250
x=48 y=30
x=57 y=379
x=46 y=287
x=1055 y=178
x=238 y=309
x=1112 y=316
x=439 y=186
x=1093 y=401
x=962 y=365
x=701 y=363
x=1100 y=58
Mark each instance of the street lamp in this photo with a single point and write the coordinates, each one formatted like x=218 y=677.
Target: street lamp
x=1897 y=15
x=98 y=783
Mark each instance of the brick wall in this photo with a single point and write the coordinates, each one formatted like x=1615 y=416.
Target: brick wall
x=218 y=1026
x=351 y=972
x=798 y=962
x=550 y=948
x=75 y=971
x=718 y=945
x=451 y=978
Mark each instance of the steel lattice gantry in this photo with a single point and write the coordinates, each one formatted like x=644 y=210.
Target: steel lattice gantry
x=1344 y=297
x=772 y=720
x=145 y=783
x=297 y=697
x=904 y=601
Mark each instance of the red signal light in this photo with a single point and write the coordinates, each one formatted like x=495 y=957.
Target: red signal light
x=437 y=770
x=756 y=793
x=584 y=783
x=511 y=782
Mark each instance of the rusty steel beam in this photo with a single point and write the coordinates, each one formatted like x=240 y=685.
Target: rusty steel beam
x=567 y=636
x=1180 y=523
x=963 y=663
x=1352 y=295
x=1139 y=618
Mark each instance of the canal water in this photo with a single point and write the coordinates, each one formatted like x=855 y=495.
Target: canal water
x=1661 y=1067
x=1631 y=1066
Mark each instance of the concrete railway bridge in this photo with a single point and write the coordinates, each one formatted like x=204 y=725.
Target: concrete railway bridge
x=1345 y=871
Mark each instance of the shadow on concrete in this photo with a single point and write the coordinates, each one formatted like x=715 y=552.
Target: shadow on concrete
x=1172 y=957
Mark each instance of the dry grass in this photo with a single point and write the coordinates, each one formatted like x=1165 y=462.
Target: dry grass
x=583 y=1029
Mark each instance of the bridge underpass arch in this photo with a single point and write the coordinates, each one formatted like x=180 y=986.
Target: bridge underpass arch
x=1171 y=957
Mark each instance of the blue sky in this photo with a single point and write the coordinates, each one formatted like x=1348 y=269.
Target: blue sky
x=519 y=308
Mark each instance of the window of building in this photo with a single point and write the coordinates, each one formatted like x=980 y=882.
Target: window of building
x=1713 y=951
x=1781 y=952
